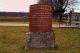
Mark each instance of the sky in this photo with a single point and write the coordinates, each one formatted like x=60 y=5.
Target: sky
x=16 y=5
x=21 y=5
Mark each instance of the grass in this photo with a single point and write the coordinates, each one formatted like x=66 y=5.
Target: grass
x=14 y=22
x=12 y=40
x=68 y=40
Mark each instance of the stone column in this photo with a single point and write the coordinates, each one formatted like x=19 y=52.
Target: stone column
x=40 y=27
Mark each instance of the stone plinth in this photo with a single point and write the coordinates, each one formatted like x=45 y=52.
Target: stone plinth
x=40 y=40
x=40 y=26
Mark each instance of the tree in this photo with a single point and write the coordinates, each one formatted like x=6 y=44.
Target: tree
x=45 y=1
x=59 y=6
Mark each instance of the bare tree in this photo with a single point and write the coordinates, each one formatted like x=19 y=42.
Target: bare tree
x=58 y=5
x=45 y=1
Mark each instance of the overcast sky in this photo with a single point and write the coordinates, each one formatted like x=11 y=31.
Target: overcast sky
x=16 y=5
x=20 y=5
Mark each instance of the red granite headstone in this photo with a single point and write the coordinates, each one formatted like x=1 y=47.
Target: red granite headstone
x=40 y=18
x=41 y=34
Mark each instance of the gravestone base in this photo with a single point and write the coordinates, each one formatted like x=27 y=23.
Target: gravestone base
x=40 y=40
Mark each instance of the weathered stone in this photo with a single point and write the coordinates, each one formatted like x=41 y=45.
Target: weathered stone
x=40 y=40
x=40 y=27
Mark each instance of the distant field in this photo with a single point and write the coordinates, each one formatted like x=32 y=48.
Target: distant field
x=12 y=40
x=13 y=18
x=15 y=22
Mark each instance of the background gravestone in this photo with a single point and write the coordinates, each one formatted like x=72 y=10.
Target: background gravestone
x=40 y=18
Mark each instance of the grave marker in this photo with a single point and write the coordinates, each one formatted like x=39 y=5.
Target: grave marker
x=40 y=26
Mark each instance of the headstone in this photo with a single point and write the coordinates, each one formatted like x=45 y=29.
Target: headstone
x=41 y=34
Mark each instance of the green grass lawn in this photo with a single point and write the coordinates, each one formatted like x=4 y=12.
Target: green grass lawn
x=12 y=40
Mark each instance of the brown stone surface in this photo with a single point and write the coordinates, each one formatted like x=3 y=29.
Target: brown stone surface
x=40 y=18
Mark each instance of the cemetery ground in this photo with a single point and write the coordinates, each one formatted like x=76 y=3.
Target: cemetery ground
x=12 y=40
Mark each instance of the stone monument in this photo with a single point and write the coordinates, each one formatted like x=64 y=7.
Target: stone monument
x=40 y=27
